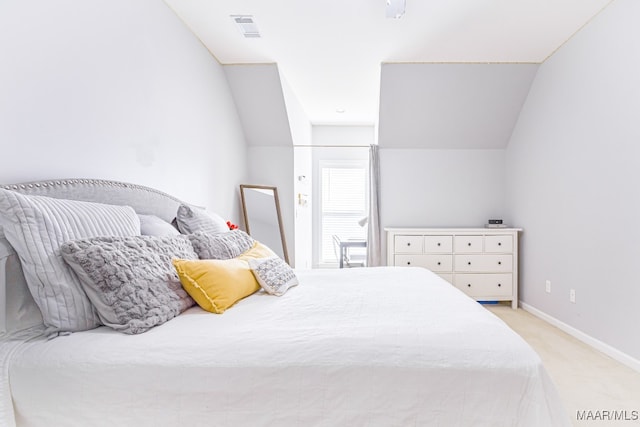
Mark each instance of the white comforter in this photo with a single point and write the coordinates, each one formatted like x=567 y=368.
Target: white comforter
x=359 y=347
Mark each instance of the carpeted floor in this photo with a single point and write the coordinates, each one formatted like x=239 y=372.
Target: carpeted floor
x=587 y=379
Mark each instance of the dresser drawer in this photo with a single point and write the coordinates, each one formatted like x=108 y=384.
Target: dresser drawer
x=467 y=244
x=497 y=244
x=485 y=285
x=408 y=244
x=484 y=263
x=436 y=263
x=410 y=260
x=437 y=244
x=439 y=263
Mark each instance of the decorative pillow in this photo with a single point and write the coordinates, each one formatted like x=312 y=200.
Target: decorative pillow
x=36 y=226
x=218 y=284
x=151 y=225
x=18 y=310
x=130 y=280
x=191 y=220
x=273 y=274
x=221 y=245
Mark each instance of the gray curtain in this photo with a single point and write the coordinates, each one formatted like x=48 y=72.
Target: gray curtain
x=373 y=231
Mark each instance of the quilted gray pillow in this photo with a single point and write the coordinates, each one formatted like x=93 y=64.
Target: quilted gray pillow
x=131 y=280
x=36 y=226
x=221 y=245
x=192 y=219
x=274 y=275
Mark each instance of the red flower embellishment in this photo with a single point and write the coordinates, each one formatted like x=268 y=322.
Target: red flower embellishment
x=231 y=225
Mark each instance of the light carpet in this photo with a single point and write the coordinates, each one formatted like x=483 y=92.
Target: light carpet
x=596 y=390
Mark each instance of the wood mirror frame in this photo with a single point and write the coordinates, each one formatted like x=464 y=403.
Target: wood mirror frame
x=260 y=230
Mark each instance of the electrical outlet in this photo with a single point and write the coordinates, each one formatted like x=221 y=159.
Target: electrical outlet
x=572 y=296
x=547 y=286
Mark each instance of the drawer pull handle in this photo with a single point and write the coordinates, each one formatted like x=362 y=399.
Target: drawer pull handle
x=469 y=284
x=499 y=262
x=408 y=262
x=438 y=243
x=499 y=284
x=499 y=243
x=469 y=244
x=469 y=263
x=409 y=244
x=439 y=262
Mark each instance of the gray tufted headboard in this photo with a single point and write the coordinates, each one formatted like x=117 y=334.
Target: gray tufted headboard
x=144 y=200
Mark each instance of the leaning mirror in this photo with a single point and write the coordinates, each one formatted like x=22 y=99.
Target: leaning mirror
x=262 y=217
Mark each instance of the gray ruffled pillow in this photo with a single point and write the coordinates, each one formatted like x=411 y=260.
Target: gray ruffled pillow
x=221 y=245
x=131 y=280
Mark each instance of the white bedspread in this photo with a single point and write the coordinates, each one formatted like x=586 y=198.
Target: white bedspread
x=358 y=347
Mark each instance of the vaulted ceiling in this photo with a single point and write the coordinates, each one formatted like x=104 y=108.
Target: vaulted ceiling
x=334 y=53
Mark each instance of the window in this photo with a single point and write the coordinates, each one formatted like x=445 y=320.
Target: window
x=343 y=203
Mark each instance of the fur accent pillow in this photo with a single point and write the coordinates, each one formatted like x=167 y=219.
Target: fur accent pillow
x=131 y=280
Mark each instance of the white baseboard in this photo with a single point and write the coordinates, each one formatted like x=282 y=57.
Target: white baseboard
x=614 y=353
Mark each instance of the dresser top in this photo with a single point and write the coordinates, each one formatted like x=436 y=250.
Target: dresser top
x=451 y=229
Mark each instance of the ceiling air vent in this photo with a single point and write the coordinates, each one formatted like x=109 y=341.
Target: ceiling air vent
x=395 y=9
x=246 y=25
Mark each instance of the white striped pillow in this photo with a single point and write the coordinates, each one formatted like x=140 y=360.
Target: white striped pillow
x=36 y=226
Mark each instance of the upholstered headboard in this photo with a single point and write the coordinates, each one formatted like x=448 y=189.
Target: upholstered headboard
x=19 y=309
x=144 y=200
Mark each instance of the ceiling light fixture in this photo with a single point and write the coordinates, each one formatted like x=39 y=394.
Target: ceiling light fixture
x=246 y=25
x=395 y=8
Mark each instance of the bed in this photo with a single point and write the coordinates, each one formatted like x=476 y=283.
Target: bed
x=385 y=346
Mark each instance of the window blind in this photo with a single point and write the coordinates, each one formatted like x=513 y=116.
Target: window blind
x=344 y=203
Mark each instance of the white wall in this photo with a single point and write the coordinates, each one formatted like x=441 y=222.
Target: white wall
x=303 y=173
x=441 y=188
x=119 y=90
x=257 y=91
x=327 y=135
x=273 y=120
x=573 y=173
x=455 y=105
x=274 y=166
x=299 y=124
x=301 y=213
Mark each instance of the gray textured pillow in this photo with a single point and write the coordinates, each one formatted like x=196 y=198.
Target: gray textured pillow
x=274 y=275
x=221 y=245
x=151 y=225
x=131 y=280
x=36 y=226
x=191 y=220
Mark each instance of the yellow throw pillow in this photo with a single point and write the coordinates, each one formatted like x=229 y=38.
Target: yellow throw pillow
x=257 y=251
x=218 y=284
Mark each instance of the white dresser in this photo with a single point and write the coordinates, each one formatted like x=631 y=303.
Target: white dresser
x=482 y=262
